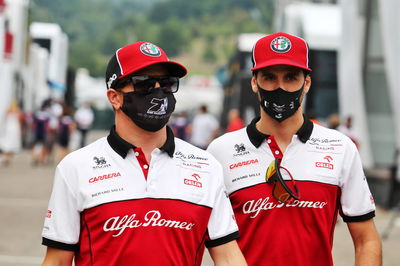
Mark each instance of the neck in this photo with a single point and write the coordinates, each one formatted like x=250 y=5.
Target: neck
x=282 y=131
x=137 y=136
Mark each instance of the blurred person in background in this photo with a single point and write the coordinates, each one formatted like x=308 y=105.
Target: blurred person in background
x=66 y=127
x=40 y=127
x=10 y=135
x=84 y=118
x=333 y=121
x=53 y=108
x=235 y=122
x=204 y=128
x=180 y=126
x=140 y=196
x=348 y=130
x=288 y=178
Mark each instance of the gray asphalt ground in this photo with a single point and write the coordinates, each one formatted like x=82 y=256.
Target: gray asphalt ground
x=25 y=190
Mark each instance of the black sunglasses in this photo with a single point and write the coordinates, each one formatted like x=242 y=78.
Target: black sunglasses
x=145 y=84
x=282 y=190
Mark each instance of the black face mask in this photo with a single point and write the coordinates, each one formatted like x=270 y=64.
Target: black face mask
x=150 y=111
x=280 y=104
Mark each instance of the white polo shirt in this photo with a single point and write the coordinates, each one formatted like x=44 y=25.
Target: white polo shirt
x=329 y=175
x=113 y=208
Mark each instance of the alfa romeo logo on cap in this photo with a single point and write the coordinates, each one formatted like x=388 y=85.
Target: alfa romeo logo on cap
x=150 y=49
x=281 y=44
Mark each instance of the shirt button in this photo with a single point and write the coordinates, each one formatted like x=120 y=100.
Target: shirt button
x=276 y=152
x=145 y=166
x=269 y=141
x=136 y=154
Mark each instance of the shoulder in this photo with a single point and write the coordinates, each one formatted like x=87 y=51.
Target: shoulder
x=188 y=153
x=84 y=155
x=326 y=136
x=229 y=139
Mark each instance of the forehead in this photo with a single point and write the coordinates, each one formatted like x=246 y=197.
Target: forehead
x=281 y=69
x=153 y=70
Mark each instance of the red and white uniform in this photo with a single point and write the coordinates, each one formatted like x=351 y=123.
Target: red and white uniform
x=328 y=174
x=113 y=208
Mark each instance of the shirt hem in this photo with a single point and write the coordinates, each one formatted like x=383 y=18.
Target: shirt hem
x=361 y=218
x=222 y=240
x=59 y=245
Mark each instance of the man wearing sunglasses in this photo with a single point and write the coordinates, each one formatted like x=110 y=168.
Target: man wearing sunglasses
x=140 y=196
x=288 y=178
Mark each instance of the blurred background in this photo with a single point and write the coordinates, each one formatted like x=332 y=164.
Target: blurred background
x=53 y=55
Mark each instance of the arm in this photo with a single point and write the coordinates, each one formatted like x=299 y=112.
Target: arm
x=58 y=257
x=227 y=254
x=367 y=244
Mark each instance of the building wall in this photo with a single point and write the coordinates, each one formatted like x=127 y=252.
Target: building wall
x=368 y=65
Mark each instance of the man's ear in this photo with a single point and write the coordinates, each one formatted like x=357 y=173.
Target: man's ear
x=254 y=86
x=115 y=98
x=307 y=83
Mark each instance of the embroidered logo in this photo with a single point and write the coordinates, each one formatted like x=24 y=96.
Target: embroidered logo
x=327 y=164
x=150 y=49
x=240 y=164
x=194 y=181
x=281 y=44
x=100 y=162
x=240 y=150
x=104 y=177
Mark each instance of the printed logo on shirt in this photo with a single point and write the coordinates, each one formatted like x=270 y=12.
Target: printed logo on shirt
x=184 y=157
x=245 y=176
x=326 y=164
x=48 y=214
x=254 y=207
x=194 y=181
x=240 y=150
x=244 y=163
x=100 y=163
x=325 y=145
x=372 y=199
x=104 y=177
x=152 y=218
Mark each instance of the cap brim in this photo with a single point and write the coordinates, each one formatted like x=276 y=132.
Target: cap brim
x=279 y=62
x=174 y=68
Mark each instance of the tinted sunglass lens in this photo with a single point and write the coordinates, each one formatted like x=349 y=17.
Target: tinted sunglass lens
x=169 y=84
x=280 y=193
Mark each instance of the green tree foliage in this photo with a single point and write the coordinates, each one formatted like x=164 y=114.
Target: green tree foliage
x=96 y=28
x=173 y=37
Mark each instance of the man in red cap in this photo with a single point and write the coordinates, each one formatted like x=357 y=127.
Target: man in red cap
x=140 y=196
x=288 y=178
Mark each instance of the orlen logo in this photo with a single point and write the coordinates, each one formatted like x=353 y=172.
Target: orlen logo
x=327 y=164
x=244 y=163
x=104 y=177
x=191 y=182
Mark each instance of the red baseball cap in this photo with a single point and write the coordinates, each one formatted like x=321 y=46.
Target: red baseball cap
x=280 y=49
x=136 y=56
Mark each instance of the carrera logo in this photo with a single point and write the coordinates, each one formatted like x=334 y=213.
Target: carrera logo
x=195 y=183
x=244 y=163
x=104 y=177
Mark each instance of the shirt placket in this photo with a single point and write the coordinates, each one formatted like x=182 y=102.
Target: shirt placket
x=273 y=145
x=144 y=165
